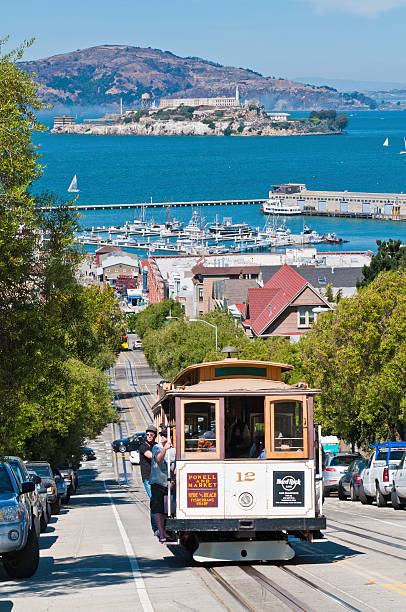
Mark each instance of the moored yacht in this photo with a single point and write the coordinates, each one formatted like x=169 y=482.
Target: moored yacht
x=273 y=206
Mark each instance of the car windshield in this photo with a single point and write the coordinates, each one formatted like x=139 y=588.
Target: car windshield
x=5 y=482
x=43 y=471
x=396 y=455
x=16 y=467
x=343 y=460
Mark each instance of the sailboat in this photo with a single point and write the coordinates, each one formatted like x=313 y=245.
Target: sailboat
x=404 y=151
x=73 y=187
x=386 y=143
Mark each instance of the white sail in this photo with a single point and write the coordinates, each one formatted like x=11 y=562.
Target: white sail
x=386 y=143
x=73 y=187
x=404 y=151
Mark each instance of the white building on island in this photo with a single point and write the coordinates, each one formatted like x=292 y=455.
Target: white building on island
x=220 y=102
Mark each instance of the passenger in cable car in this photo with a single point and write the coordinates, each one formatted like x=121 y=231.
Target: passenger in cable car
x=161 y=454
x=207 y=442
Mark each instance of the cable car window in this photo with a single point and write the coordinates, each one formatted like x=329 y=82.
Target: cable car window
x=287 y=427
x=244 y=427
x=200 y=427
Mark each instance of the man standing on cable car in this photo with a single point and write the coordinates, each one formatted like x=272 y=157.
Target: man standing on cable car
x=145 y=452
x=161 y=454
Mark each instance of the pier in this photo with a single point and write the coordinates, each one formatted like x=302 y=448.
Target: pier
x=147 y=205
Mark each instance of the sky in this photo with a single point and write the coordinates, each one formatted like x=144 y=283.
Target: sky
x=347 y=39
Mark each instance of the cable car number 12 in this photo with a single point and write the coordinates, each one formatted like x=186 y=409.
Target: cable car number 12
x=248 y=476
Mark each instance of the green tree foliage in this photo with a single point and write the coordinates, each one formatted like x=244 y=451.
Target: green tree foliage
x=357 y=356
x=155 y=316
x=391 y=255
x=56 y=335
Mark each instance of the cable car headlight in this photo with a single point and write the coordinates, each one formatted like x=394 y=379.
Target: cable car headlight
x=246 y=499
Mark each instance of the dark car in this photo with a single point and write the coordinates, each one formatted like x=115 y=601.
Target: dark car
x=88 y=454
x=334 y=467
x=128 y=444
x=351 y=479
x=43 y=496
x=44 y=471
x=70 y=475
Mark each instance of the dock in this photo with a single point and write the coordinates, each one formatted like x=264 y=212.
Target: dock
x=151 y=205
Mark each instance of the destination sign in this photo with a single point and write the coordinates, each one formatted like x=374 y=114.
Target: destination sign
x=202 y=490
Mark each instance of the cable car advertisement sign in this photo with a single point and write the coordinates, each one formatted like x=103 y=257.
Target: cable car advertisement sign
x=202 y=490
x=288 y=488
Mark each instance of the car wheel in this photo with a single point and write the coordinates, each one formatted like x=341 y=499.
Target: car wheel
x=397 y=504
x=380 y=499
x=122 y=447
x=23 y=563
x=363 y=497
x=66 y=499
x=341 y=493
x=84 y=457
x=353 y=495
x=56 y=506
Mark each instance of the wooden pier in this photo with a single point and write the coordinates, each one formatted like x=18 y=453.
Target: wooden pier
x=148 y=205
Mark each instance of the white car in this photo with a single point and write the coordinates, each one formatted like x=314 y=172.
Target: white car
x=134 y=457
x=398 y=492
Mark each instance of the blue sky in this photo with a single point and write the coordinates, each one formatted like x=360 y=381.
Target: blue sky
x=356 y=39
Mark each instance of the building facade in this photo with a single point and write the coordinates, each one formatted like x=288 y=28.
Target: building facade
x=220 y=102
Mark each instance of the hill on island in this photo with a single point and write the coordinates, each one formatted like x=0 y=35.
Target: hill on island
x=101 y=75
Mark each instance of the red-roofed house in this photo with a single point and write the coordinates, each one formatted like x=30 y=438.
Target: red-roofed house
x=283 y=307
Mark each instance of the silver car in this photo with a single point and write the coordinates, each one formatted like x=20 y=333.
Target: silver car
x=334 y=467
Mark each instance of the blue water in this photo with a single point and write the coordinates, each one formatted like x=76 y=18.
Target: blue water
x=121 y=169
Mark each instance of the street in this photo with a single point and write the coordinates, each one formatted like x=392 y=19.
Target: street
x=100 y=554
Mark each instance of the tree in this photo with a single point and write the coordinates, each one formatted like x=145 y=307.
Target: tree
x=56 y=335
x=155 y=316
x=356 y=355
x=391 y=255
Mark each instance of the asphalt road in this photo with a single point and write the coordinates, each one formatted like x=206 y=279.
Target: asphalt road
x=100 y=554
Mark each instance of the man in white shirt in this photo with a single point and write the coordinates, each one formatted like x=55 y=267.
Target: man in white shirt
x=161 y=454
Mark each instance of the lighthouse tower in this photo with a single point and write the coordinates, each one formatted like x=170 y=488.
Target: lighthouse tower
x=237 y=96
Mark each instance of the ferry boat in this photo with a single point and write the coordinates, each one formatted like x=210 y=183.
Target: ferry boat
x=277 y=207
x=228 y=228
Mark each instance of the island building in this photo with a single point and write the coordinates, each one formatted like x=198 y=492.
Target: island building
x=220 y=102
x=343 y=203
x=63 y=121
x=278 y=117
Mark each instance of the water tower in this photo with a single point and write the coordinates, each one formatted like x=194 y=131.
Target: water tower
x=145 y=100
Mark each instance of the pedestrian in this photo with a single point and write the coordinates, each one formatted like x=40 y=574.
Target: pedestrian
x=161 y=454
x=145 y=452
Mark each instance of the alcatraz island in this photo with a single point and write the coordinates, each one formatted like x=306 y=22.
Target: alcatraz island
x=217 y=116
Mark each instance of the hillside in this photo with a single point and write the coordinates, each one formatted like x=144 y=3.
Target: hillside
x=104 y=74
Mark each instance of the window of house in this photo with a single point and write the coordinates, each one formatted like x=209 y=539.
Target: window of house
x=306 y=317
x=200 y=294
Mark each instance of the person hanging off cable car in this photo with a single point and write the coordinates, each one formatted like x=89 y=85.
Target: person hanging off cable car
x=161 y=454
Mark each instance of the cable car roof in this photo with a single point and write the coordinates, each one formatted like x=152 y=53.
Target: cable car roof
x=252 y=369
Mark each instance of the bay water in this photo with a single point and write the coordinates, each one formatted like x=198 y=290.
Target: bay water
x=129 y=169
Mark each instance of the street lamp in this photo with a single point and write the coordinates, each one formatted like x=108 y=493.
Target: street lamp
x=207 y=323
x=169 y=317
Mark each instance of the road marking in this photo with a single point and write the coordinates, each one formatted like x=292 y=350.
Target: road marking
x=135 y=568
x=370 y=518
x=390 y=586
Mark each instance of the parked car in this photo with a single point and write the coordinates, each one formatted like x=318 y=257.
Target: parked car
x=137 y=344
x=61 y=486
x=19 y=548
x=333 y=468
x=44 y=471
x=127 y=444
x=70 y=477
x=22 y=475
x=377 y=477
x=351 y=479
x=398 y=492
x=88 y=454
x=43 y=496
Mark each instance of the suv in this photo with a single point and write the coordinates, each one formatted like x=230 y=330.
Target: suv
x=334 y=466
x=22 y=475
x=44 y=471
x=377 y=477
x=19 y=548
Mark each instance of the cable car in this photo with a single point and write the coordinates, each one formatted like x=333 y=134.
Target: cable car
x=248 y=464
x=124 y=342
